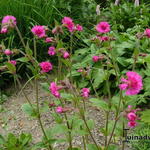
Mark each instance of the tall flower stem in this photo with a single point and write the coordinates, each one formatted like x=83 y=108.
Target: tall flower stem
x=71 y=47
x=39 y=115
x=116 y=119
x=20 y=36
x=85 y=122
x=37 y=99
x=68 y=125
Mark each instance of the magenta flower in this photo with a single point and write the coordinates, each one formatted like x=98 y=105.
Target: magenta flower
x=9 y=21
x=103 y=38
x=48 y=40
x=66 y=55
x=46 y=66
x=132 y=124
x=103 y=27
x=95 y=58
x=68 y=23
x=14 y=62
x=85 y=92
x=39 y=31
x=79 y=27
x=4 y=30
x=59 y=109
x=8 y=52
x=133 y=83
x=51 y=51
x=131 y=116
x=54 y=89
x=80 y=70
x=147 y=32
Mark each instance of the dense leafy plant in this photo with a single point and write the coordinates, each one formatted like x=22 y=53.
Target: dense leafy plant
x=11 y=142
x=109 y=64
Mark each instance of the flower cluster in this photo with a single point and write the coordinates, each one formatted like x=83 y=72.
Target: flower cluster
x=85 y=92
x=147 y=32
x=8 y=22
x=39 y=31
x=133 y=83
x=69 y=24
x=103 y=27
x=55 y=89
x=132 y=116
x=45 y=66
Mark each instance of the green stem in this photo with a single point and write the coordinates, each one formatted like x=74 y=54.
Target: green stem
x=20 y=36
x=68 y=126
x=84 y=143
x=39 y=115
x=116 y=120
x=90 y=133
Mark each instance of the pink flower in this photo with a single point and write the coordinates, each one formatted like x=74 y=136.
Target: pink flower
x=48 y=40
x=39 y=31
x=85 y=92
x=79 y=27
x=133 y=83
x=147 y=32
x=103 y=27
x=95 y=58
x=14 y=62
x=4 y=30
x=131 y=116
x=68 y=23
x=51 y=51
x=55 y=89
x=46 y=66
x=132 y=124
x=9 y=21
x=103 y=38
x=80 y=70
x=66 y=55
x=59 y=109
x=8 y=52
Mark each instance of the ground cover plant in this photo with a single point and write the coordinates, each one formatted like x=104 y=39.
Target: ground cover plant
x=108 y=71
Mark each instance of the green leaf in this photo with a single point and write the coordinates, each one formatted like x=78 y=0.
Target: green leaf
x=98 y=76
x=99 y=103
x=45 y=86
x=92 y=147
x=145 y=117
x=59 y=129
x=12 y=140
x=25 y=139
x=2 y=140
x=29 y=110
x=23 y=59
x=11 y=67
x=113 y=147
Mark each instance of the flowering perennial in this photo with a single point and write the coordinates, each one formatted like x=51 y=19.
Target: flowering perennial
x=85 y=92
x=46 y=66
x=133 y=83
x=39 y=31
x=55 y=89
x=103 y=27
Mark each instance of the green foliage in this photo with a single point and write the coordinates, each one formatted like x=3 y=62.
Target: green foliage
x=141 y=130
x=16 y=143
x=145 y=116
x=30 y=111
